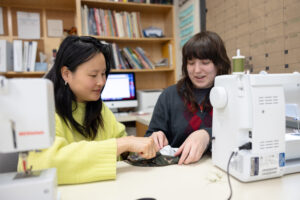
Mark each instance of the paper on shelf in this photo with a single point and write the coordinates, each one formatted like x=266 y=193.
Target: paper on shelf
x=28 y=25
x=55 y=28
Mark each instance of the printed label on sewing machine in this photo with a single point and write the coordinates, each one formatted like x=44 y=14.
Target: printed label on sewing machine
x=264 y=165
x=254 y=166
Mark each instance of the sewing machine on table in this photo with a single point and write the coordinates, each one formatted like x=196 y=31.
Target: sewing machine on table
x=27 y=123
x=249 y=125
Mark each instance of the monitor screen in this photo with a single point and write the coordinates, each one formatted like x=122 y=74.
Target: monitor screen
x=120 y=90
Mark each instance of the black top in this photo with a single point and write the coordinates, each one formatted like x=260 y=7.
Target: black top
x=177 y=122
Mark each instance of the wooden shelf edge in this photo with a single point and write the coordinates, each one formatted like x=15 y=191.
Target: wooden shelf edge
x=126 y=39
x=159 y=69
x=23 y=74
x=129 y=4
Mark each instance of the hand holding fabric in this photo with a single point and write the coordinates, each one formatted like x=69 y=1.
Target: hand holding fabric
x=160 y=139
x=193 y=147
x=143 y=145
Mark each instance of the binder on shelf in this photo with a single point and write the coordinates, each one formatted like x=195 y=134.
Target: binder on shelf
x=18 y=57
x=32 y=55
x=6 y=56
x=26 y=56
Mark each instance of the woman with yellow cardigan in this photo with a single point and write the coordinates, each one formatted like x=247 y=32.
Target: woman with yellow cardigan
x=88 y=138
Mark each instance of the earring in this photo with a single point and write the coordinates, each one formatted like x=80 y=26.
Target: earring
x=66 y=82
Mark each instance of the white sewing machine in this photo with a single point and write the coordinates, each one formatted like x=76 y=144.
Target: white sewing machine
x=250 y=109
x=27 y=123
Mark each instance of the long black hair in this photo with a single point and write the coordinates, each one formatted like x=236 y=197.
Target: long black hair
x=203 y=45
x=74 y=51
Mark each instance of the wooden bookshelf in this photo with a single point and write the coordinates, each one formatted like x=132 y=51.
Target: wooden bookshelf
x=156 y=15
x=64 y=10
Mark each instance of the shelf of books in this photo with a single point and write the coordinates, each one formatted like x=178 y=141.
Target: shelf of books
x=123 y=25
x=27 y=40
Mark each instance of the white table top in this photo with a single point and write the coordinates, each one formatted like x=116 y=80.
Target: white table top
x=142 y=118
x=201 y=180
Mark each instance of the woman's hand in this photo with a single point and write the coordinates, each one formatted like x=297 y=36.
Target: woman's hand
x=145 y=146
x=160 y=139
x=193 y=147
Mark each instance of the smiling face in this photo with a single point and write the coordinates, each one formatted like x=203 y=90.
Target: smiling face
x=202 y=72
x=88 y=80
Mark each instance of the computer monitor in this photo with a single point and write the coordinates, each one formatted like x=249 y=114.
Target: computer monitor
x=120 y=91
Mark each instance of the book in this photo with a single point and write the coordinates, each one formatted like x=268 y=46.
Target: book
x=111 y=23
x=85 y=25
x=97 y=21
x=25 y=56
x=32 y=55
x=144 y=63
x=6 y=56
x=17 y=55
x=91 y=22
x=135 y=58
x=115 y=57
x=119 y=23
x=129 y=58
x=146 y=58
x=124 y=58
x=121 y=60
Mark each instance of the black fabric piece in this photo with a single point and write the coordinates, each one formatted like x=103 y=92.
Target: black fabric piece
x=158 y=161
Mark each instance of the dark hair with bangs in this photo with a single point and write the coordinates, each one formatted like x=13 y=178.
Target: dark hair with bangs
x=74 y=51
x=203 y=45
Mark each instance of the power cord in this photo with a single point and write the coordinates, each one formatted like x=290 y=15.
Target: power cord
x=246 y=146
